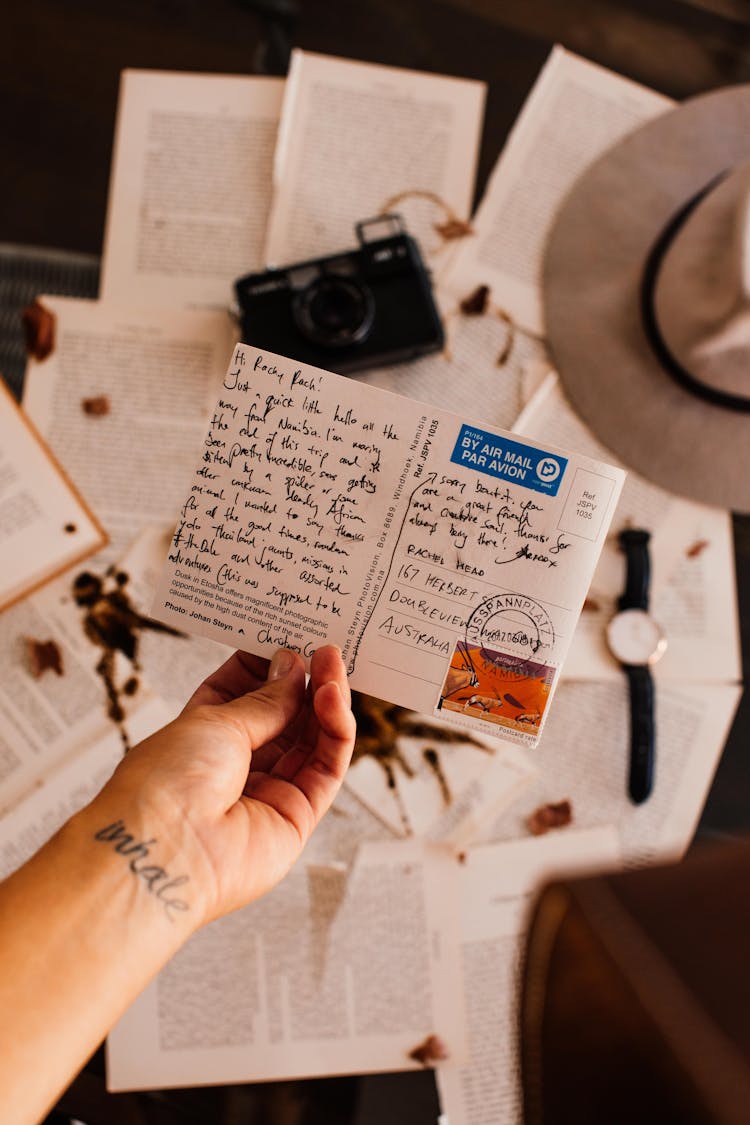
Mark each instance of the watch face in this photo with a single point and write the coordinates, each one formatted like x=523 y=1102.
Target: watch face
x=635 y=638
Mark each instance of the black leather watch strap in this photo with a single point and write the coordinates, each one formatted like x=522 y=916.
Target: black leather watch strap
x=634 y=542
x=642 y=733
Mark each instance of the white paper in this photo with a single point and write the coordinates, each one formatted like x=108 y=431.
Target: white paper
x=158 y=370
x=331 y=973
x=448 y=562
x=497 y=883
x=693 y=588
x=448 y=802
x=583 y=758
x=44 y=525
x=62 y=792
x=575 y=112
x=45 y=720
x=354 y=135
x=191 y=186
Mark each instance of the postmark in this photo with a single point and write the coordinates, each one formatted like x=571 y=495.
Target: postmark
x=514 y=628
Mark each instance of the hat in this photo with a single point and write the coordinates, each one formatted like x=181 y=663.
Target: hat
x=647 y=298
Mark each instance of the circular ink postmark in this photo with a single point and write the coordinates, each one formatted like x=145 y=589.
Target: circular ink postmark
x=512 y=631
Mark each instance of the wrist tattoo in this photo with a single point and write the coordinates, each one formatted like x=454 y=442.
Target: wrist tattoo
x=156 y=878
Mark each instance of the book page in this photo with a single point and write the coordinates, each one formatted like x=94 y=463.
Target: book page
x=62 y=792
x=449 y=562
x=575 y=112
x=482 y=370
x=52 y=701
x=331 y=973
x=583 y=757
x=45 y=525
x=440 y=785
x=190 y=188
x=694 y=595
x=497 y=884
x=355 y=135
x=122 y=401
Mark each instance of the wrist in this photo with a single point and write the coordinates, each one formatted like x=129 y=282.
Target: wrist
x=143 y=861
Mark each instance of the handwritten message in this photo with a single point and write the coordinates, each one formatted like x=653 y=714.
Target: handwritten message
x=323 y=510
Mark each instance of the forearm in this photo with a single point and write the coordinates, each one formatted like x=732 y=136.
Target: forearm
x=83 y=927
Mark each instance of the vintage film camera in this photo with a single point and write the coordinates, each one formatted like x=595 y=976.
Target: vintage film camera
x=347 y=312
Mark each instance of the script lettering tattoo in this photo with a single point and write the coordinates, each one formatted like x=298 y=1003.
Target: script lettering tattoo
x=157 y=879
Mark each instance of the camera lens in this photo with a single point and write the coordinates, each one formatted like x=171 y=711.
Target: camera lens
x=335 y=311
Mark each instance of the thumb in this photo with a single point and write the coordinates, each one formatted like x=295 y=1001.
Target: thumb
x=265 y=713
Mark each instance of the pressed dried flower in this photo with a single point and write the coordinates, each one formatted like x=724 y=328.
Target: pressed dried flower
x=39 y=330
x=554 y=815
x=43 y=656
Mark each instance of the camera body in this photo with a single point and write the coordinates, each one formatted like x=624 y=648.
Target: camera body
x=363 y=308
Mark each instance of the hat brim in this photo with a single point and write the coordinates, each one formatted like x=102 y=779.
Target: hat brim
x=593 y=272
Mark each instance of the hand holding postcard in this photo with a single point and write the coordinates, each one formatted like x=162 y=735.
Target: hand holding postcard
x=448 y=560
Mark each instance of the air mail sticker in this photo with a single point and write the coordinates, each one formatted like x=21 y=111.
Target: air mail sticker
x=501 y=457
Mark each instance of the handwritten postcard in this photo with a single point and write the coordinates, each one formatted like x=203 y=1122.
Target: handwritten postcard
x=448 y=559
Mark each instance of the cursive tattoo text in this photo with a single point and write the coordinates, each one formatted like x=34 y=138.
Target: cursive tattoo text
x=156 y=878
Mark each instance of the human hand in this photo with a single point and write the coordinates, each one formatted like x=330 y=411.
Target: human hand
x=234 y=787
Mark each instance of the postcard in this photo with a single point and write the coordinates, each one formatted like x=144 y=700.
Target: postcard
x=449 y=559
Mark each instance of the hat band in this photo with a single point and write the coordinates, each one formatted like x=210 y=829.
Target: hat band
x=648 y=311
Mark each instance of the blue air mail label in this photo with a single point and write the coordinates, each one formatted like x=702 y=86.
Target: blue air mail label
x=503 y=458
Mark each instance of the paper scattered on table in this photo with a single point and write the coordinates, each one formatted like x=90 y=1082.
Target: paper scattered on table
x=45 y=525
x=333 y=972
x=190 y=187
x=159 y=370
x=575 y=112
x=449 y=561
x=497 y=884
x=354 y=135
x=46 y=717
x=466 y=377
x=694 y=595
x=62 y=791
x=441 y=788
x=583 y=757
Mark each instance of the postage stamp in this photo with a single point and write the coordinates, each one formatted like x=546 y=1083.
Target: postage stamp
x=498 y=687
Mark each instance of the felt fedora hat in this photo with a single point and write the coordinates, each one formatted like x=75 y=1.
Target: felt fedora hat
x=647 y=298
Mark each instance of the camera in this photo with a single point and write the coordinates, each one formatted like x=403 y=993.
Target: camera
x=350 y=311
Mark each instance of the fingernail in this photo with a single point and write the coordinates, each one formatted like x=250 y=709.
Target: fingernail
x=282 y=663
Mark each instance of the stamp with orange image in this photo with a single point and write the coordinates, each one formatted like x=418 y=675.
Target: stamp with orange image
x=497 y=687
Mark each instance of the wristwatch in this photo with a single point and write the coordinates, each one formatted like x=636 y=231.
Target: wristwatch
x=637 y=642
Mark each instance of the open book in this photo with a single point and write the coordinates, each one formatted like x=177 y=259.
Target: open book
x=45 y=525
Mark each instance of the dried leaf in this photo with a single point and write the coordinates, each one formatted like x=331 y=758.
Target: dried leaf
x=39 y=330
x=454 y=228
x=432 y=1050
x=43 y=655
x=97 y=407
x=554 y=815
x=476 y=302
x=696 y=548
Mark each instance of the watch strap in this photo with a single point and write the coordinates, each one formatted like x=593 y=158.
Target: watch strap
x=634 y=542
x=642 y=731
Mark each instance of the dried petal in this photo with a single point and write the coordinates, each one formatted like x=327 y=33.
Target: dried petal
x=39 y=330
x=432 y=1050
x=696 y=548
x=97 y=407
x=554 y=815
x=454 y=228
x=43 y=655
x=476 y=302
